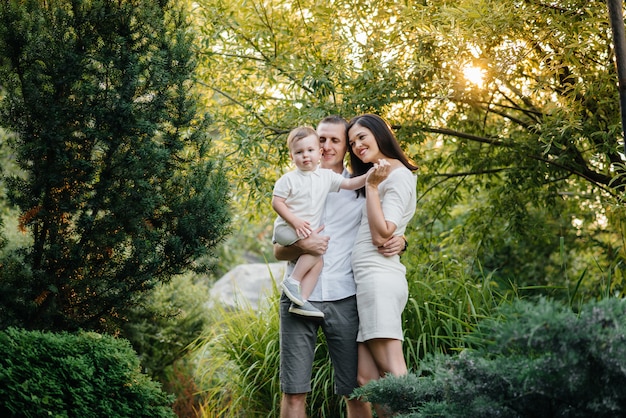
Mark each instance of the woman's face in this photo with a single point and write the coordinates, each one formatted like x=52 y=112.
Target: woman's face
x=363 y=144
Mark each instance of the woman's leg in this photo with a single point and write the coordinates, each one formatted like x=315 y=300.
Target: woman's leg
x=376 y=358
x=380 y=356
x=387 y=354
x=367 y=369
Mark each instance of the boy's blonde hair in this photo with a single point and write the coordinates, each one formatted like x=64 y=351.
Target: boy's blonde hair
x=299 y=133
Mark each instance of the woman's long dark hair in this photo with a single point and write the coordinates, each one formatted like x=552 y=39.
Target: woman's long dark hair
x=386 y=140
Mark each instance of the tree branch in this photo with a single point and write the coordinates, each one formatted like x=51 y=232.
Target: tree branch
x=458 y=134
x=599 y=180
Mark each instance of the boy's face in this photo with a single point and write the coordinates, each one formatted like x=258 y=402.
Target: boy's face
x=306 y=153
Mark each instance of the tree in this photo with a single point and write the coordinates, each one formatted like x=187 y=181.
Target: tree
x=509 y=107
x=117 y=189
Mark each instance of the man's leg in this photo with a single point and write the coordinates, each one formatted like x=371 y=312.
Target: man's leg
x=340 y=328
x=298 y=337
x=293 y=405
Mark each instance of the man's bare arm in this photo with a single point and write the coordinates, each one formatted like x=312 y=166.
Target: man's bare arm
x=314 y=244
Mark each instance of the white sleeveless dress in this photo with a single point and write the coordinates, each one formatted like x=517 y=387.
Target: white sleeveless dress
x=381 y=286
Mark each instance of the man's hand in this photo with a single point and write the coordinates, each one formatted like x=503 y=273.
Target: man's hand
x=314 y=244
x=395 y=245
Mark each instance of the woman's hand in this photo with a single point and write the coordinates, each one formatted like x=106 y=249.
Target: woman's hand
x=380 y=228
x=378 y=173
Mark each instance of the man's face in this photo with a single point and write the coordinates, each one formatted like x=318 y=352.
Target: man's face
x=334 y=145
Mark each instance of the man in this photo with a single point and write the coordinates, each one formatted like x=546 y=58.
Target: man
x=334 y=293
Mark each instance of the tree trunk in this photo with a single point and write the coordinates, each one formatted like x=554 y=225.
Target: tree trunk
x=617 y=25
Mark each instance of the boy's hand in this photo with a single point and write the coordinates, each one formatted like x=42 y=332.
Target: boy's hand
x=303 y=228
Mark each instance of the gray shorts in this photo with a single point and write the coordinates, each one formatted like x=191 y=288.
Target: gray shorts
x=284 y=235
x=298 y=337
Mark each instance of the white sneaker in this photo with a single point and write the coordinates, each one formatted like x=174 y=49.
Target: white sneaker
x=293 y=292
x=307 y=310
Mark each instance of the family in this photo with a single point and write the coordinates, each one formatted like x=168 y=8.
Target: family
x=342 y=234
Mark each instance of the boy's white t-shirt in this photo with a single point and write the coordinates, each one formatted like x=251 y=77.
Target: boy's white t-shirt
x=305 y=193
x=342 y=216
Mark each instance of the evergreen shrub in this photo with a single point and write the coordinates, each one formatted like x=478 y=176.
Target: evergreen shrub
x=163 y=330
x=532 y=359
x=75 y=375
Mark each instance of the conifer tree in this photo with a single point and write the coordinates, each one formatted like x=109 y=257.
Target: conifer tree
x=117 y=191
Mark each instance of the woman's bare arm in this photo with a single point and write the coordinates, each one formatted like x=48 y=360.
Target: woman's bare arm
x=381 y=229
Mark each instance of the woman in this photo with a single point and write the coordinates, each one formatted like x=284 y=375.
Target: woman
x=382 y=290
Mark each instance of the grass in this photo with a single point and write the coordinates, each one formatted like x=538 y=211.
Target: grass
x=445 y=304
x=238 y=366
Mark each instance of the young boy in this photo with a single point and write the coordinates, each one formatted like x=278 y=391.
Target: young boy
x=298 y=199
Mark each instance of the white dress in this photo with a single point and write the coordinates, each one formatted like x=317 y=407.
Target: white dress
x=381 y=286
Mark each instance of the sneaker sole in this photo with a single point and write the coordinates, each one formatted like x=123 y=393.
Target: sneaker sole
x=309 y=314
x=291 y=296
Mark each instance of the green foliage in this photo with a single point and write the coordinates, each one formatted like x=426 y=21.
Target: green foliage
x=239 y=358
x=445 y=304
x=509 y=164
x=532 y=359
x=116 y=186
x=239 y=367
x=163 y=327
x=74 y=375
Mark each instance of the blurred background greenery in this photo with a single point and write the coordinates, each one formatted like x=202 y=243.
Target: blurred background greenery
x=155 y=164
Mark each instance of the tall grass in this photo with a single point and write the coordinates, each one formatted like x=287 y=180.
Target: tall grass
x=445 y=303
x=238 y=367
x=238 y=364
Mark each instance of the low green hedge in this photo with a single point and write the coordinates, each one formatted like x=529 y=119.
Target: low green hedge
x=532 y=359
x=75 y=375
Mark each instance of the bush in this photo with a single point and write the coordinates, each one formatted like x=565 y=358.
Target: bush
x=75 y=375
x=163 y=327
x=162 y=331
x=536 y=359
